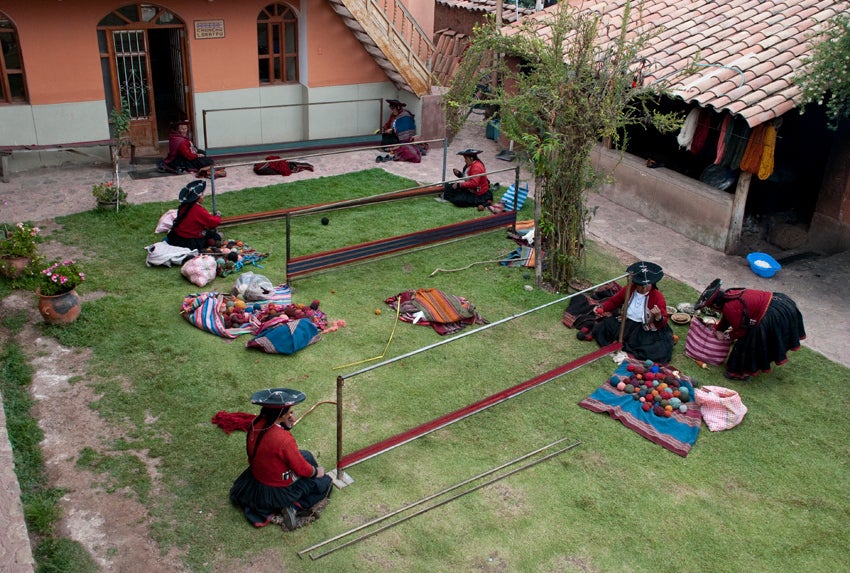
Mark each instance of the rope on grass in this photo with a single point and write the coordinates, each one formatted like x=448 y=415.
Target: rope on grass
x=470 y=265
x=384 y=353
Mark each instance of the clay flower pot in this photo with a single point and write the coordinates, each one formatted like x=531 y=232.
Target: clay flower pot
x=13 y=267
x=61 y=308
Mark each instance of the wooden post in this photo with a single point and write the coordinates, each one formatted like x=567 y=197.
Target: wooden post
x=736 y=219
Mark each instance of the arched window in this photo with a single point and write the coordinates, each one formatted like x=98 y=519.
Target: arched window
x=13 y=85
x=277 y=44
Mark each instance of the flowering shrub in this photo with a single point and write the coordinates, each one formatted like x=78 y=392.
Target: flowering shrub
x=108 y=192
x=60 y=277
x=22 y=241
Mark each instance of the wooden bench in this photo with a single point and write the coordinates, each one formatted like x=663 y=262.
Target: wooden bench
x=6 y=151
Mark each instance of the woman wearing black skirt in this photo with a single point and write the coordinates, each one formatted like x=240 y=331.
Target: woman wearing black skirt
x=764 y=326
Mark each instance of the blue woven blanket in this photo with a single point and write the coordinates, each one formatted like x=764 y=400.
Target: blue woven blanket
x=677 y=433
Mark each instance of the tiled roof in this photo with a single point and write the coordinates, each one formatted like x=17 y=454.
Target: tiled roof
x=509 y=10
x=748 y=51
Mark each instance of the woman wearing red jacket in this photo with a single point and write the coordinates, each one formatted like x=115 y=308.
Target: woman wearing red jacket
x=646 y=335
x=282 y=484
x=472 y=192
x=182 y=155
x=763 y=325
x=194 y=227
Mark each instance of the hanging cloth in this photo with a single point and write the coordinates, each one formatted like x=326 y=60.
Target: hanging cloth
x=686 y=133
x=766 y=167
x=755 y=146
x=723 y=139
x=736 y=144
x=701 y=133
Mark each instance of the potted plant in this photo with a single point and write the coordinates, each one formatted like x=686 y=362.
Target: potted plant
x=58 y=301
x=18 y=249
x=108 y=195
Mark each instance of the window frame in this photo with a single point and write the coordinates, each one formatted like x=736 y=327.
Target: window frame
x=277 y=24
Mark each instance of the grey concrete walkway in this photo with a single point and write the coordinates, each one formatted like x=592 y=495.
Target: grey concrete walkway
x=816 y=284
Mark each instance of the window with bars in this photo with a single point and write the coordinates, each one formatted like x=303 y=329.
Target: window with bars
x=13 y=85
x=277 y=44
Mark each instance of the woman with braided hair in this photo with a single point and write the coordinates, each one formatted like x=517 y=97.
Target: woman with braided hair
x=283 y=484
x=763 y=326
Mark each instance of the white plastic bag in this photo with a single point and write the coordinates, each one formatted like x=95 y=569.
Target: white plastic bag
x=200 y=270
x=252 y=287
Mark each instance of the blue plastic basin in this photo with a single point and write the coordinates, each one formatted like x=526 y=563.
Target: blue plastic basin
x=763 y=264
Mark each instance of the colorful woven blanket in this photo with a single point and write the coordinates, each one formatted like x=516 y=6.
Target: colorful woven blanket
x=620 y=397
x=445 y=313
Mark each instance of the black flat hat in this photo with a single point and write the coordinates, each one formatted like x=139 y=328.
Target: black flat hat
x=192 y=191
x=277 y=398
x=709 y=295
x=645 y=273
x=469 y=152
x=395 y=102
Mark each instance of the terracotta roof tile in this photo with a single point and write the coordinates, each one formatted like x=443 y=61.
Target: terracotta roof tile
x=750 y=49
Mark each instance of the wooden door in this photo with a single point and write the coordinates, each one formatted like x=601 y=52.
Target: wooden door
x=133 y=76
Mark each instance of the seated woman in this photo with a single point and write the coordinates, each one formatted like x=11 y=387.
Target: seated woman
x=472 y=192
x=646 y=335
x=194 y=227
x=282 y=484
x=183 y=156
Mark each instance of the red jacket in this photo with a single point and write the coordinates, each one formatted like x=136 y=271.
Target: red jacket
x=475 y=185
x=196 y=222
x=179 y=146
x=653 y=298
x=739 y=302
x=277 y=461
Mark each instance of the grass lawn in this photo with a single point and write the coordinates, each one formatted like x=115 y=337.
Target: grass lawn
x=769 y=495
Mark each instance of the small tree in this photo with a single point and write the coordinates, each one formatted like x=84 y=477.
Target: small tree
x=563 y=90
x=826 y=77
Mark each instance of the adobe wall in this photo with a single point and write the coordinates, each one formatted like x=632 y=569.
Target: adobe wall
x=677 y=201
x=829 y=231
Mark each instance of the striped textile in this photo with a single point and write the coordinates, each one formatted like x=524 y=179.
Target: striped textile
x=677 y=433
x=318 y=261
x=204 y=310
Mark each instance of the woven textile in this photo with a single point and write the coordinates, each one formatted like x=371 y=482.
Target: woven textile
x=678 y=433
x=701 y=344
x=722 y=408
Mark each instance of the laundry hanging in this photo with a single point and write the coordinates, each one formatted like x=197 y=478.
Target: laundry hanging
x=723 y=139
x=686 y=133
x=766 y=167
x=755 y=146
x=701 y=133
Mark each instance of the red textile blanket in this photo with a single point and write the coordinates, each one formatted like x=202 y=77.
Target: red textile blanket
x=445 y=313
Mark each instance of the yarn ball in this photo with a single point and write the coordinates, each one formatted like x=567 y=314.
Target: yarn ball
x=614 y=380
x=648 y=363
x=621 y=386
x=654 y=368
x=675 y=402
x=683 y=409
x=646 y=406
x=315 y=304
x=629 y=389
x=325 y=220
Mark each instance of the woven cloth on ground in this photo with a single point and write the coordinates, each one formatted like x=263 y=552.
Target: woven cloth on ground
x=205 y=310
x=676 y=433
x=445 y=313
x=579 y=312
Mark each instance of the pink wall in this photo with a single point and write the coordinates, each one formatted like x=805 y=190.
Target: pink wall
x=59 y=43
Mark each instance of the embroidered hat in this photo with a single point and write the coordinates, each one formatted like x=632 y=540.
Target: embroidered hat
x=645 y=273
x=469 y=152
x=396 y=103
x=193 y=191
x=277 y=398
x=709 y=295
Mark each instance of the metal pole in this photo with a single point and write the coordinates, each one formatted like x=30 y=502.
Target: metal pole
x=286 y=268
x=444 y=502
x=432 y=496
x=339 y=383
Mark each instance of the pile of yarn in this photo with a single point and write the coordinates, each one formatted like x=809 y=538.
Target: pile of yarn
x=659 y=389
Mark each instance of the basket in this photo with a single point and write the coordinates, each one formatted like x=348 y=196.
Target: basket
x=763 y=264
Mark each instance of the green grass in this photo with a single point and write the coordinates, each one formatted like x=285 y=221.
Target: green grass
x=770 y=495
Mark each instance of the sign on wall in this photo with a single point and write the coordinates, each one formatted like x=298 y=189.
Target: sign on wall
x=206 y=29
